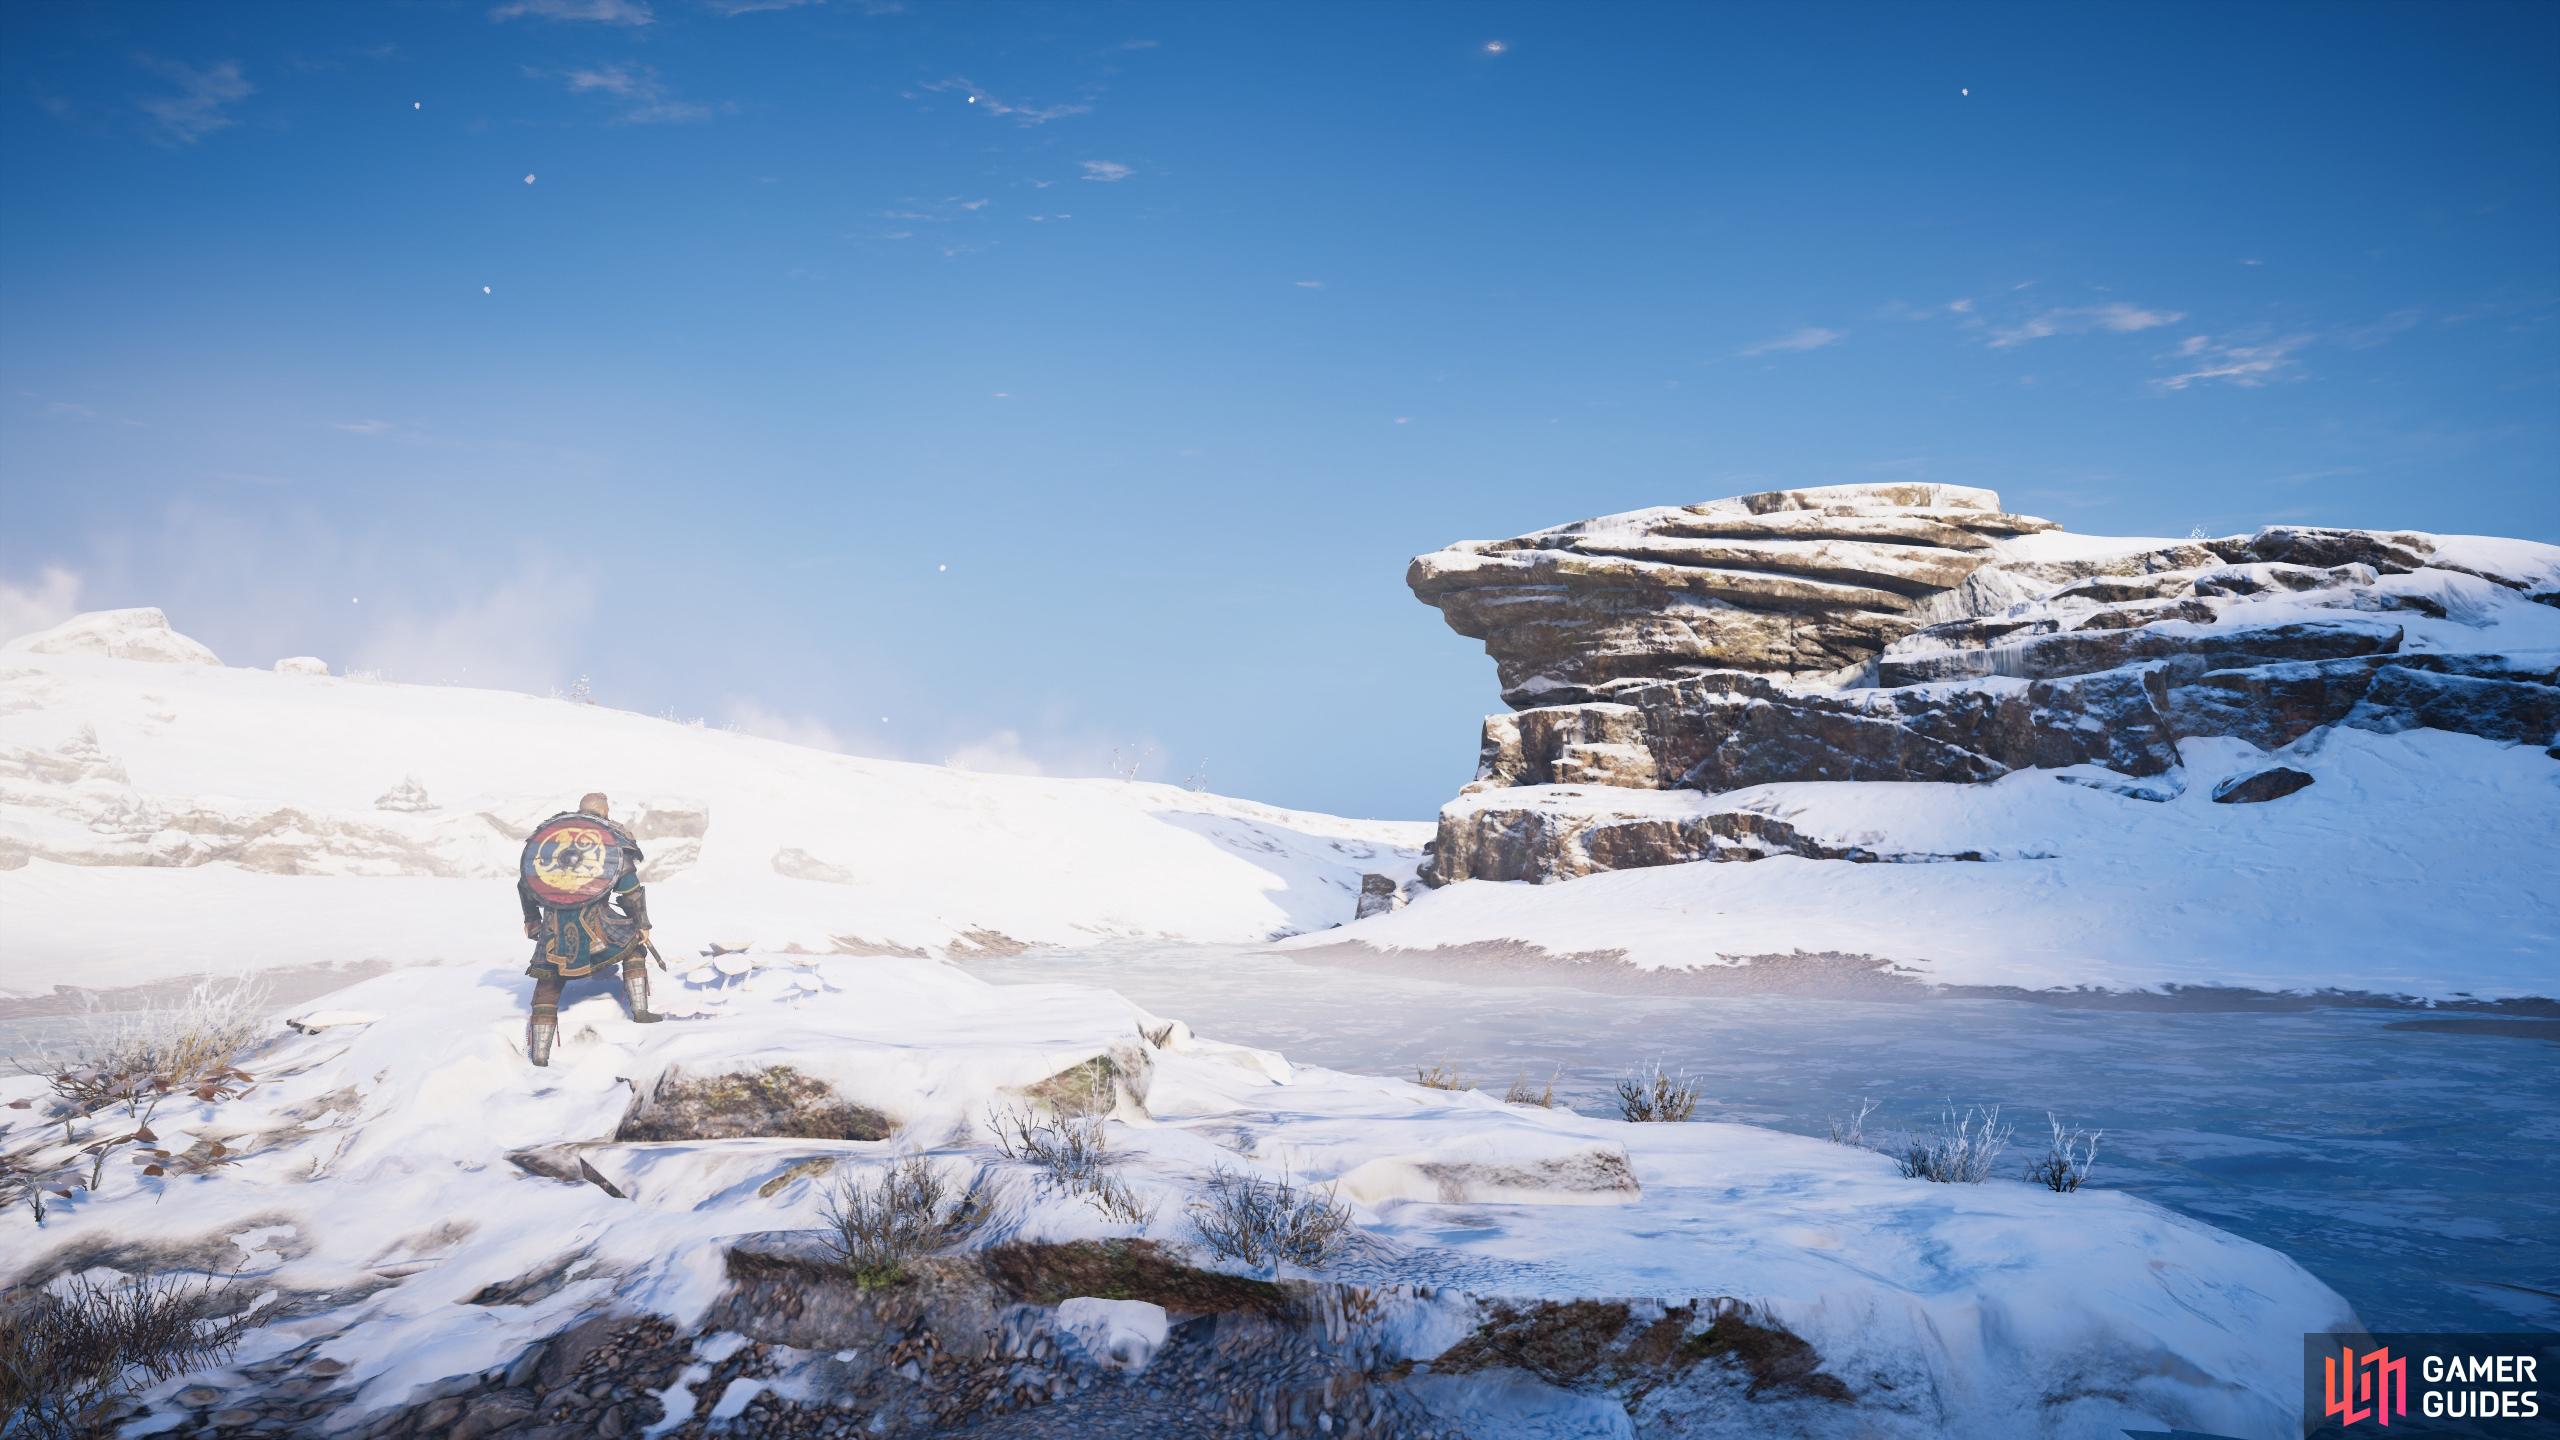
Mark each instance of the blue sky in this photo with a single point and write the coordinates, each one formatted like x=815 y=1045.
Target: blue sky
x=1026 y=383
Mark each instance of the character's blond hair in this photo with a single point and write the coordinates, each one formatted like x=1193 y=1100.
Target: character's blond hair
x=594 y=803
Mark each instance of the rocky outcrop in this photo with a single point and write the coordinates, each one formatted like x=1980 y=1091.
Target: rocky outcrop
x=138 y=634
x=1788 y=582
x=1919 y=632
x=1379 y=894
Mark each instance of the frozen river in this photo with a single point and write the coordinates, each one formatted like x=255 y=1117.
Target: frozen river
x=2417 y=1171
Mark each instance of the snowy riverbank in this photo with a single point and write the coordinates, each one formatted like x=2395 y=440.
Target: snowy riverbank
x=390 y=1180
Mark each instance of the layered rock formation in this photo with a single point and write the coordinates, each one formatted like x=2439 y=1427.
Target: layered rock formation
x=1919 y=632
x=1790 y=582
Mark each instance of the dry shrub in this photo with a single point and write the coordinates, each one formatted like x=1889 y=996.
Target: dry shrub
x=1852 y=1132
x=1650 y=1096
x=1520 y=1093
x=132 y=1058
x=2064 y=1166
x=67 y=1352
x=1073 y=1156
x=908 y=1212
x=1960 y=1150
x=1442 y=1077
x=1262 y=1223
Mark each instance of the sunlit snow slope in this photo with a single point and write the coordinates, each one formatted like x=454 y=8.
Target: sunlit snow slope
x=161 y=814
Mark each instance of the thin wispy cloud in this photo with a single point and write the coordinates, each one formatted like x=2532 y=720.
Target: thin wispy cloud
x=935 y=212
x=1811 y=337
x=605 y=12
x=752 y=7
x=201 y=104
x=1905 y=310
x=646 y=97
x=1308 y=284
x=1110 y=172
x=2379 y=332
x=1020 y=113
x=403 y=431
x=2117 y=318
x=75 y=412
x=2247 y=366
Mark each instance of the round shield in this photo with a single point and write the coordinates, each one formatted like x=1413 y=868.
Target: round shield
x=572 y=859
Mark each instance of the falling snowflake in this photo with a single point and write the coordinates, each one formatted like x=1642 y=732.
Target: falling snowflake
x=528 y=179
x=484 y=289
x=1966 y=91
x=940 y=569
x=1494 y=47
x=417 y=104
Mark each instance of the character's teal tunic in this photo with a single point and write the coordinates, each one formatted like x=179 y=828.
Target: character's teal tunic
x=587 y=938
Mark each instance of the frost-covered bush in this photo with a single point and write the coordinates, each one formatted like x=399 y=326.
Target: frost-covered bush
x=1073 y=1156
x=1649 y=1095
x=1521 y=1093
x=66 y=1352
x=1959 y=1150
x=1263 y=1222
x=907 y=1213
x=1852 y=1132
x=2064 y=1166
x=191 y=1044
x=1442 y=1077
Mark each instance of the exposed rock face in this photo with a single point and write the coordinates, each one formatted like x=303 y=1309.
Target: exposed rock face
x=1558 y=832
x=138 y=634
x=1919 y=632
x=1378 y=895
x=2259 y=786
x=776 y=1101
x=1788 y=582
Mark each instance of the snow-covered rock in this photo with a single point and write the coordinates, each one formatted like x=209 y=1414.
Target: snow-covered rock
x=1123 y=1334
x=1668 y=665
x=302 y=665
x=2417 y=865
x=137 y=634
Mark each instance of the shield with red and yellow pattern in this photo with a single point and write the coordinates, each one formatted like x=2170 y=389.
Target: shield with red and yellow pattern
x=570 y=860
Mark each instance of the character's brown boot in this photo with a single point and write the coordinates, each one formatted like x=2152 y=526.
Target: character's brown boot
x=540 y=1031
x=635 y=985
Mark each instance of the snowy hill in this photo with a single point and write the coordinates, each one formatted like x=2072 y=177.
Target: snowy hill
x=228 y=816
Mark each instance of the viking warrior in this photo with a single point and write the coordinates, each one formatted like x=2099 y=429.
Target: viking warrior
x=585 y=911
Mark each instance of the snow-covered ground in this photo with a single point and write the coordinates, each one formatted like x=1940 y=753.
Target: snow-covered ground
x=365 y=1179
x=2418 y=864
x=163 y=815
